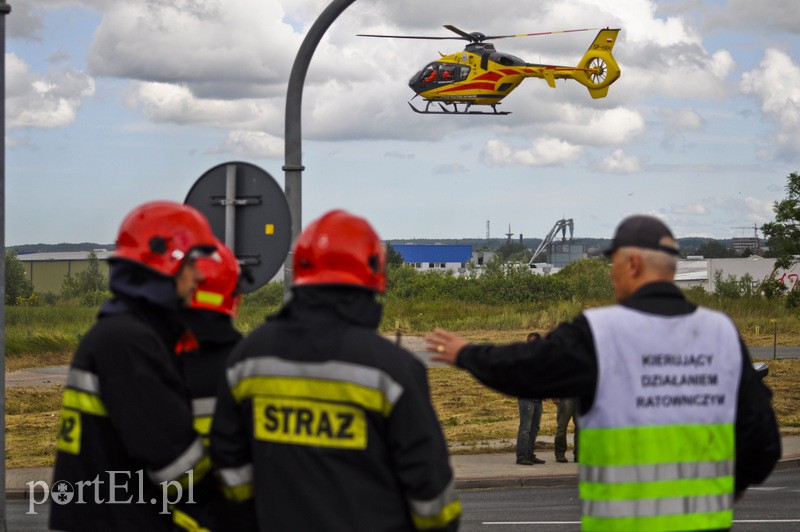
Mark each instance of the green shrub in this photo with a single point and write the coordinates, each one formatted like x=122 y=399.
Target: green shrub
x=793 y=299
x=269 y=295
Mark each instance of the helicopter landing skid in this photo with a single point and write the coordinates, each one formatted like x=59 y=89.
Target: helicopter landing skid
x=455 y=109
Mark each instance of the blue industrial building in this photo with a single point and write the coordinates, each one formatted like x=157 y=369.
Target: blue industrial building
x=430 y=257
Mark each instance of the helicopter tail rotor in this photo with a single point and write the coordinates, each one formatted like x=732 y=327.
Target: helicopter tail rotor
x=599 y=68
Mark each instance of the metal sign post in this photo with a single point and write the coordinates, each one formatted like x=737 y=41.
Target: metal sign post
x=5 y=9
x=293 y=167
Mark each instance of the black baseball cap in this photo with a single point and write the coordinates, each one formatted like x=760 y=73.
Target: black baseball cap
x=642 y=231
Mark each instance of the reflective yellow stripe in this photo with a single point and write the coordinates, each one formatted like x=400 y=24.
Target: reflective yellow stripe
x=186 y=522
x=448 y=514
x=209 y=298
x=200 y=470
x=375 y=381
x=198 y=473
x=317 y=389
x=239 y=493
x=84 y=402
x=202 y=425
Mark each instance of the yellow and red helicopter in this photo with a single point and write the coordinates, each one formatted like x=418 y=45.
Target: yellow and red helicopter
x=480 y=75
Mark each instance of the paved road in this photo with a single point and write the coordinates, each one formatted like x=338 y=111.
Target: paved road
x=782 y=351
x=773 y=507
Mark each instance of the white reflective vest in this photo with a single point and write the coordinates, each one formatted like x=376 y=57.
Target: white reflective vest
x=657 y=446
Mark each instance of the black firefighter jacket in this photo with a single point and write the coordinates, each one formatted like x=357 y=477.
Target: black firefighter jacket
x=126 y=440
x=330 y=426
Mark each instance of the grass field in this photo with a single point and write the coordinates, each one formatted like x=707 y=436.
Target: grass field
x=472 y=416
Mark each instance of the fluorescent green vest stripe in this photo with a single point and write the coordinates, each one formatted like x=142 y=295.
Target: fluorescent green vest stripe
x=665 y=523
x=673 y=477
x=657 y=444
x=654 y=490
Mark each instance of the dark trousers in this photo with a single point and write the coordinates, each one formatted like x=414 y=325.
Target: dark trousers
x=530 y=415
x=565 y=412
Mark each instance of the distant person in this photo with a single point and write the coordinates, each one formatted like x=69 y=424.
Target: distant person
x=530 y=417
x=675 y=423
x=126 y=432
x=565 y=411
x=325 y=423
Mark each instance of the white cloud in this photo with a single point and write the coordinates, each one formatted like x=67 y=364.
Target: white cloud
x=760 y=210
x=43 y=101
x=253 y=144
x=239 y=48
x=584 y=125
x=544 y=151
x=682 y=71
x=619 y=163
x=451 y=168
x=776 y=83
x=26 y=22
x=689 y=209
x=165 y=102
x=773 y=14
x=685 y=118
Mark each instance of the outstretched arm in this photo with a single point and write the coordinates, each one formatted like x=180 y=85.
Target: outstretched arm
x=445 y=346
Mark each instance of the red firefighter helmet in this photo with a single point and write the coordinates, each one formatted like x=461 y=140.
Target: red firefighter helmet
x=219 y=290
x=340 y=249
x=161 y=234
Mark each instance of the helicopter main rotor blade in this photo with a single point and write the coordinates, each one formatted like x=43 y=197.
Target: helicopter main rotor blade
x=464 y=34
x=410 y=37
x=492 y=37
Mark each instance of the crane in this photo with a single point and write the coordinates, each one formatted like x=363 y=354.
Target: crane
x=755 y=235
x=562 y=225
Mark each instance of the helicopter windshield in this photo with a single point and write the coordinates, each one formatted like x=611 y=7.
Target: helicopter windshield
x=423 y=74
x=437 y=74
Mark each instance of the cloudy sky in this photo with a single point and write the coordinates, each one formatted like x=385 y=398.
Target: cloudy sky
x=110 y=103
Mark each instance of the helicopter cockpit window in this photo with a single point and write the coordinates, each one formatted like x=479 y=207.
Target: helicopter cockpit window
x=446 y=73
x=429 y=74
x=463 y=72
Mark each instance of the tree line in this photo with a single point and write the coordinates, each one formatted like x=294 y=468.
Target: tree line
x=500 y=282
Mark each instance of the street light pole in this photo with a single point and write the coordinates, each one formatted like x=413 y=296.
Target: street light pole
x=293 y=165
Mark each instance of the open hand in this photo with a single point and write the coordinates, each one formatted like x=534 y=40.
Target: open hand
x=444 y=345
